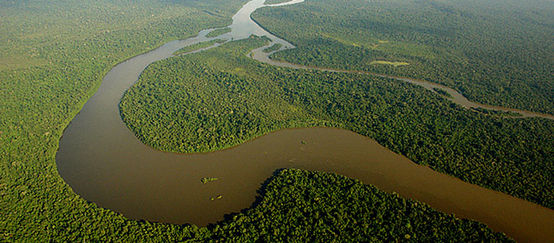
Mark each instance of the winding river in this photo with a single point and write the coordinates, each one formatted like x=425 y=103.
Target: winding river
x=105 y=163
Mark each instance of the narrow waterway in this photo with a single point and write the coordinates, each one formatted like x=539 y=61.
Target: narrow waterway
x=454 y=96
x=105 y=163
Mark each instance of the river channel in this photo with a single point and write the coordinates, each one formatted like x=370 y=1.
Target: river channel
x=102 y=160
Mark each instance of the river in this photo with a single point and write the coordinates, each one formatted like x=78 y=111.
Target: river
x=102 y=161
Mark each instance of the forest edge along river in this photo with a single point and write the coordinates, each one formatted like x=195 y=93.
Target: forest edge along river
x=103 y=161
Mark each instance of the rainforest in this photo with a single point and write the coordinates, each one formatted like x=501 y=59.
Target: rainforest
x=236 y=120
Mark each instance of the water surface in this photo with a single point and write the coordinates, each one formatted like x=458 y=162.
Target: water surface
x=105 y=163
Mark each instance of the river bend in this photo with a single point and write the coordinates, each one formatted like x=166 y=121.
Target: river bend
x=102 y=160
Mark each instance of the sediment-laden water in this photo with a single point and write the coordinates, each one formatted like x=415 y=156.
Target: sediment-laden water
x=102 y=160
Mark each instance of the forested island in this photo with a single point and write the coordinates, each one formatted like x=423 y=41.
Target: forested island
x=220 y=98
x=198 y=46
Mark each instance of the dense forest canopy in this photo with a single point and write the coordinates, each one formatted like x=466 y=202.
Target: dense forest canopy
x=494 y=52
x=327 y=207
x=55 y=53
x=221 y=98
x=53 y=57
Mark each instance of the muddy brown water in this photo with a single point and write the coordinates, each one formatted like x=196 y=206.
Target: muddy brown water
x=105 y=163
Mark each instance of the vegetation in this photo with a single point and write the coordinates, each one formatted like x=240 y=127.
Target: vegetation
x=208 y=179
x=273 y=48
x=328 y=207
x=442 y=92
x=198 y=46
x=395 y=64
x=53 y=56
x=220 y=98
x=499 y=54
x=498 y=113
x=207 y=110
x=218 y=32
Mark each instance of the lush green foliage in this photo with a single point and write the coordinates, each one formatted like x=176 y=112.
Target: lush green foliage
x=218 y=32
x=442 y=92
x=492 y=52
x=194 y=108
x=205 y=180
x=220 y=98
x=327 y=207
x=53 y=55
x=273 y=47
x=498 y=113
x=198 y=46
